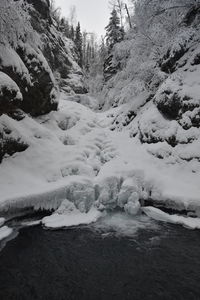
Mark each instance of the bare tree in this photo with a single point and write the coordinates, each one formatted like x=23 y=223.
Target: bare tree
x=119 y=6
x=128 y=16
x=72 y=15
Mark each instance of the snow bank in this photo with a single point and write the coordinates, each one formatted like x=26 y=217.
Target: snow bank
x=68 y=215
x=157 y=214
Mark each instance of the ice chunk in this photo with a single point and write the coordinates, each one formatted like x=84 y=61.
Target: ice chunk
x=157 y=214
x=108 y=190
x=132 y=208
x=31 y=223
x=82 y=195
x=131 y=188
x=5 y=231
x=2 y=221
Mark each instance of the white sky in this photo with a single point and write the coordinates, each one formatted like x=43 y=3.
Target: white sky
x=92 y=14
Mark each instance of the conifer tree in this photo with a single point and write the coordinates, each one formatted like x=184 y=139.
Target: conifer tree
x=79 y=43
x=114 y=32
x=71 y=35
x=114 y=35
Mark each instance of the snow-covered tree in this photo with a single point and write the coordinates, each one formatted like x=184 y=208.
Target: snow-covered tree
x=114 y=31
x=119 y=6
x=14 y=22
x=134 y=65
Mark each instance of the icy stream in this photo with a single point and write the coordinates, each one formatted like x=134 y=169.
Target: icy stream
x=117 y=257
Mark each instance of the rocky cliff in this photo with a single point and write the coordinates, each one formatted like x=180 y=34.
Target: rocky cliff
x=35 y=70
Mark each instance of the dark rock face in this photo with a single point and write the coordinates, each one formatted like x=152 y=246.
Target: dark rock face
x=34 y=79
x=40 y=96
x=168 y=62
x=169 y=104
x=10 y=96
x=42 y=6
x=8 y=100
x=192 y=17
x=9 y=146
x=59 y=52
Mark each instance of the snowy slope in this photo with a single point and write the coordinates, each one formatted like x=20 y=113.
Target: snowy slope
x=72 y=154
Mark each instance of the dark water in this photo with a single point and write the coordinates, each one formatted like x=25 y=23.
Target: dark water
x=157 y=262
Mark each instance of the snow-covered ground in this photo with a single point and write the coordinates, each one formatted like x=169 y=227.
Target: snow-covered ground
x=73 y=155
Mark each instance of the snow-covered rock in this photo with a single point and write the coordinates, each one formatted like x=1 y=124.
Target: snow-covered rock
x=10 y=95
x=41 y=62
x=68 y=215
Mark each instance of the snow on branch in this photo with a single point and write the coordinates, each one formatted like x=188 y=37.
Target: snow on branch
x=14 y=22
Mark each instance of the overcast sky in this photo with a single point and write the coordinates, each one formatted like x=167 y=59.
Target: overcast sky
x=92 y=14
